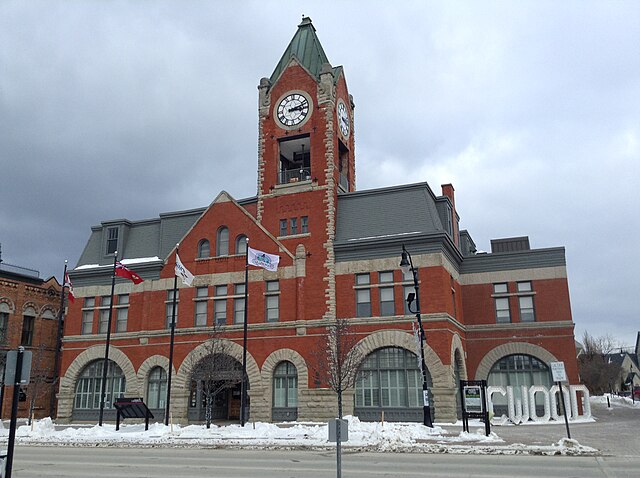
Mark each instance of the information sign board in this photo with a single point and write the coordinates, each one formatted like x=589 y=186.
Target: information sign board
x=558 y=372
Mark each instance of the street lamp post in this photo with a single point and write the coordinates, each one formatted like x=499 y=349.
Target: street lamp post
x=406 y=264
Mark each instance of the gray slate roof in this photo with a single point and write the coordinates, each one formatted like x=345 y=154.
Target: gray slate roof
x=387 y=212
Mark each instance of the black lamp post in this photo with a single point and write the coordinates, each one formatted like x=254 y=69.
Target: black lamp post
x=406 y=264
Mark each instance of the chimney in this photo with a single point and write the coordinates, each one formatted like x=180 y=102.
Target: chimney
x=447 y=190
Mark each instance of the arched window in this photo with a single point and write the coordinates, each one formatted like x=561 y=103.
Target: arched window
x=285 y=392
x=222 y=243
x=389 y=379
x=89 y=385
x=5 y=310
x=516 y=371
x=241 y=244
x=203 y=249
x=157 y=388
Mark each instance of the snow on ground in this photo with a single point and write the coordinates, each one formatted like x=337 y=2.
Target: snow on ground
x=364 y=436
x=615 y=400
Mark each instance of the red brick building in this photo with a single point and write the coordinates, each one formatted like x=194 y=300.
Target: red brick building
x=29 y=317
x=501 y=316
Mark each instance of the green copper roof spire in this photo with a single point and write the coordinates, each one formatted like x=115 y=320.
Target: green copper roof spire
x=304 y=47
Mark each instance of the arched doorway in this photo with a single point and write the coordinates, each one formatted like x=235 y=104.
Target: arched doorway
x=215 y=392
x=390 y=380
x=516 y=371
x=86 y=403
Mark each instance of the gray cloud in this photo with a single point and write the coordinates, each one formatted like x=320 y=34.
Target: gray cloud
x=129 y=109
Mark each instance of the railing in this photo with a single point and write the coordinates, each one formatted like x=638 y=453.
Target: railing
x=294 y=175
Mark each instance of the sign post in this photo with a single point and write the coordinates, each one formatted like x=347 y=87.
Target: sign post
x=18 y=371
x=474 y=403
x=560 y=375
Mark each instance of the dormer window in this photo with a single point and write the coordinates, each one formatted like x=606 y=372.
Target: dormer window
x=295 y=160
x=112 y=240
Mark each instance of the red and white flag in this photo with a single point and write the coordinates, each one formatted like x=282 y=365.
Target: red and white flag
x=123 y=271
x=67 y=283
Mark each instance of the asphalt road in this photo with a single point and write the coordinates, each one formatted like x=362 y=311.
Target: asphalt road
x=69 y=462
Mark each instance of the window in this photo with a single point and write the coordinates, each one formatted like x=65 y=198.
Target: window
x=238 y=304
x=241 y=244
x=304 y=224
x=387 y=302
x=502 y=310
x=112 y=240
x=169 y=308
x=200 y=319
x=222 y=244
x=4 y=321
x=220 y=311
x=294 y=225
x=363 y=296
x=517 y=371
x=204 y=249
x=122 y=311
x=28 y=323
x=272 y=301
x=87 y=315
x=103 y=320
x=89 y=385
x=406 y=290
x=500 y=288
x=527 y=314
x=503 y=315
x=157 y=388
x=285 y=386
x=525 y=302
x=283 y=227
x=390 y=378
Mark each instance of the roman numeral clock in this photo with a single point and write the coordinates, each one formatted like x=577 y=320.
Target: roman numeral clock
x=294 y=109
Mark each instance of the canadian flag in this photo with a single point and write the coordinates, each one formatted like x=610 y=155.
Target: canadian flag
x=69 y=286
x=123 y=271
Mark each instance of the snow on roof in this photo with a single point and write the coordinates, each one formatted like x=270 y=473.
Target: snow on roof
x=138 y=260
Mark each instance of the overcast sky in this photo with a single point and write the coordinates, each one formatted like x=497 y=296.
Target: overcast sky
x=531 y=109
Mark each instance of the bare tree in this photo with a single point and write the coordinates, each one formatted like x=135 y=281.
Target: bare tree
x=597 y=370
x=338 y=359
x=41 y=381
x=216 y=370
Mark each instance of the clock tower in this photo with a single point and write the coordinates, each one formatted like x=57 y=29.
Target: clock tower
x=305 y=149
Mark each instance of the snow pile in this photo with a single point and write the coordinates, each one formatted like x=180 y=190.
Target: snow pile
x=615 y=400
x=369 y=436
x=366 y=435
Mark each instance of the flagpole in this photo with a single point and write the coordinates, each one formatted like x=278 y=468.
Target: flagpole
x=243 y=399
x=103 y=392
x=56 y=370
x=173 y=334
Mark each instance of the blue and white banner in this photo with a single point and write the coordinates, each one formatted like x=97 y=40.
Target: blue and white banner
x=183 y=272
x=262 y=259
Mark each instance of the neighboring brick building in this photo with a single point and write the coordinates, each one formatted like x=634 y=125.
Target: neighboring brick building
x=502 y=315
x=29 y=317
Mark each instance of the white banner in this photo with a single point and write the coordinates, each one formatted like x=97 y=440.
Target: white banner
x=262 y=259
x=183 y=272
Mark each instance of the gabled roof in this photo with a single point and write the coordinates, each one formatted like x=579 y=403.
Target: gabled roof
x=306 y=49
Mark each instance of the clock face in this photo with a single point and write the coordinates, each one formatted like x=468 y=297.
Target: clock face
x=293 y=109
x=343 y=119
